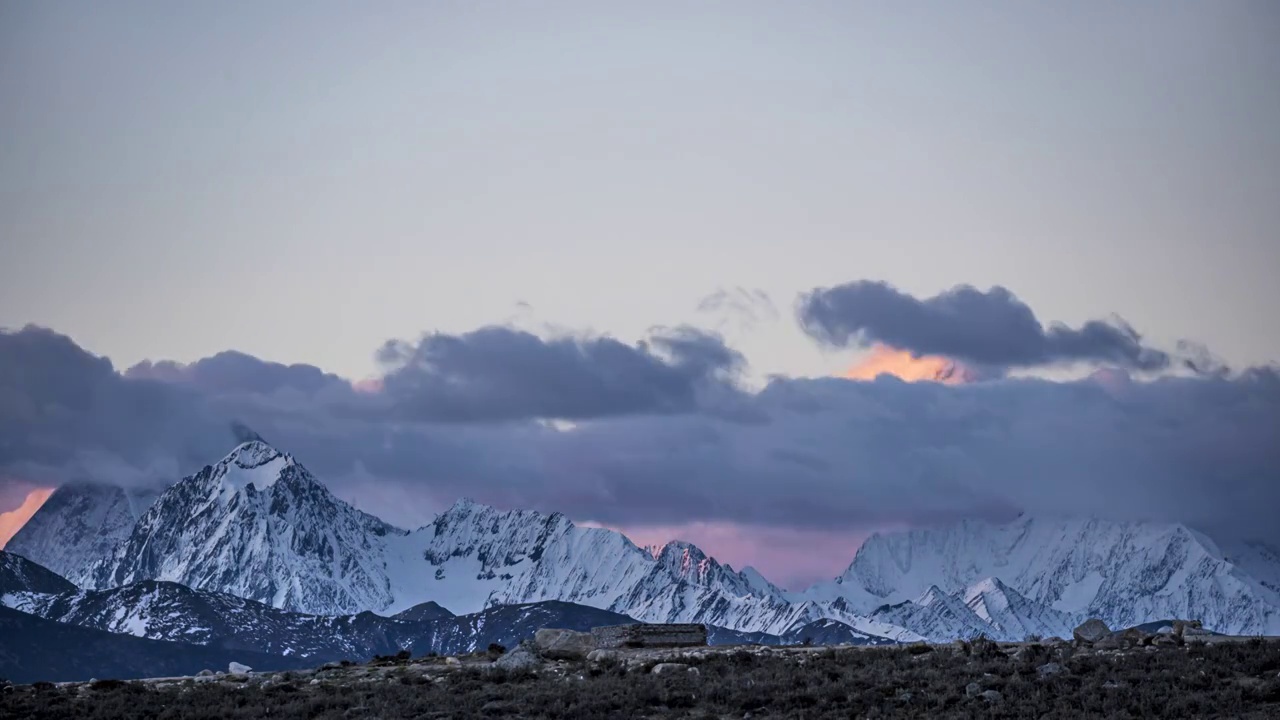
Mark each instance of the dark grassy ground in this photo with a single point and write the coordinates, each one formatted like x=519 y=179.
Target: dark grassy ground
x=1237 y=680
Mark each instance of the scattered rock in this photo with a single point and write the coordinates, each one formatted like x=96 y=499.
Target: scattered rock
x=1109 y=642
x=236 y=668
x=331 y=666
x=1133 y=637
x=982 y=647
x=522 y=658
x=1054 y=641
x=1167 y=640
x=960 y=646
x=498 y=707
x=451 y=660
x=669 y=667
x=603 y=655
x=905 y=696
x=992 y=696
x=1049 y=669
x=1091 y=631
x=559 y=644
x=205 y=673
x=972 y=689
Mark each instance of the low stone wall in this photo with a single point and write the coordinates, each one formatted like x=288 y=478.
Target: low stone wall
x=650 y=636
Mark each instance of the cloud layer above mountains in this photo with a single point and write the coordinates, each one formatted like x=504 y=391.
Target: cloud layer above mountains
x=662 y=434
x=991 y=329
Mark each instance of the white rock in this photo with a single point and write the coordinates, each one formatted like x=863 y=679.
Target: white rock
x=236 y=668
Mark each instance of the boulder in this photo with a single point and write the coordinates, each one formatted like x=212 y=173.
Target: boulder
x=603 y=655
x=669 y=667
x=1109 y=642
x=205 y=673
x=559 y=644
x=992 y=696
x=236 y=668
x=1133 y=637
x=522 y=658
x=1091 y=631
x=1049 y=669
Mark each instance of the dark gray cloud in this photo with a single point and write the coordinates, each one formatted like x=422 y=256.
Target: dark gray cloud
x=230 y=371
x=993 y=329
x=820 y=453
x=66 y=414
x=500 y=373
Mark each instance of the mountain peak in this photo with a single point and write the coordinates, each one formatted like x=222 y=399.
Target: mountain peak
x=251 y=463
x=251 y=454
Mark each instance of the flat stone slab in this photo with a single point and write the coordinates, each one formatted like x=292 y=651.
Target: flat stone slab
x=642 y=635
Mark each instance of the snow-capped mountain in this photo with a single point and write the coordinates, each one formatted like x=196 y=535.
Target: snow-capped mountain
x=1011 y=615
x=479 y=557
x=79 y=525
x=259 y=526
x=1123 y=572
x=937 y=616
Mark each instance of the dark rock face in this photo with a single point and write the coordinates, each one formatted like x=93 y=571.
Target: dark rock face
x=18 y=574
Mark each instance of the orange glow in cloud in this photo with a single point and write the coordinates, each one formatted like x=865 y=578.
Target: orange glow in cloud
x=885 y=360
x=371 y=385
x=11 y=522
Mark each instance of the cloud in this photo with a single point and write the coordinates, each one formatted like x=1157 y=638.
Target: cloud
x=743 y=308
x=652 y=445
x=499 y=373
x=67 y=414
x=236 y=372
x=992 y=329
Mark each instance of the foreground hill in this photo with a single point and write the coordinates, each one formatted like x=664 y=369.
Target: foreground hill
x=37 y=649
x=1236 y=680
x=20 y=575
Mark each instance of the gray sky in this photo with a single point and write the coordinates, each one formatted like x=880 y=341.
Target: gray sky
x=309 y=182
x=305 y=181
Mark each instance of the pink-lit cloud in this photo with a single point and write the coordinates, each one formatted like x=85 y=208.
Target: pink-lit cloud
x=13 y=520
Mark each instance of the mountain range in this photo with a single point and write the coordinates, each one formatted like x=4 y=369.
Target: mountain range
x=254 y=552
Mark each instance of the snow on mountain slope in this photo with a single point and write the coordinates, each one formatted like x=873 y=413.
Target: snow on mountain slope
x=1012 y=616
x=478 y=557
x=684 y=585
x=79 y=525
x=259 y=526
x=1122 y=572
x=936 y=615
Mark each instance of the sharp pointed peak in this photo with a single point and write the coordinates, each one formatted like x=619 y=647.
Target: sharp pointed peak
x=251 y=454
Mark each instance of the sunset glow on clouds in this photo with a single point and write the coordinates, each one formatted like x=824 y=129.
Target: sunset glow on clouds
x=885 y=360
x=12 y=521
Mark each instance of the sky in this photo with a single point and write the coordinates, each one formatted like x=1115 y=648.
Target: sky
x=670 y=227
